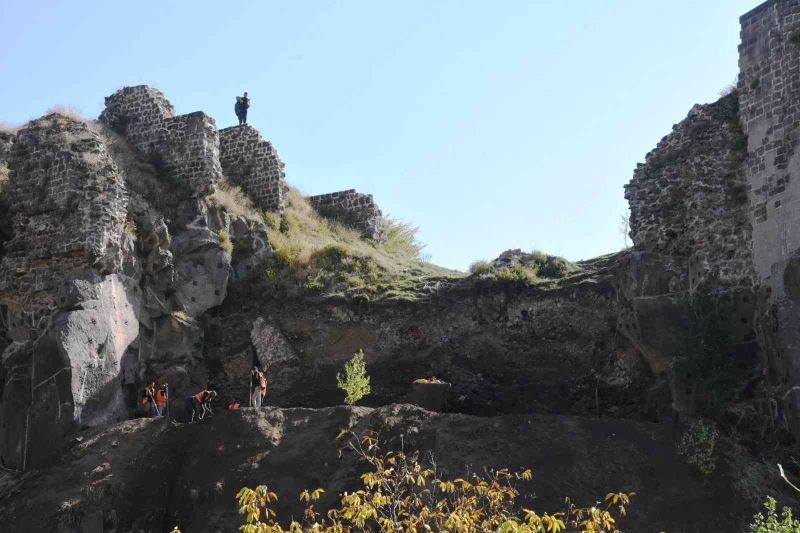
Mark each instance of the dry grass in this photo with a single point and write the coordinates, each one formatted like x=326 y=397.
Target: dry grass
x=8 y=128
x=302 y=232
x=325 y=257
x=234 y=201
x=69 y=112
x=4 y=174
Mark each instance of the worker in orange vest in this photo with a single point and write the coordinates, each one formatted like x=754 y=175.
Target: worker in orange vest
x=149 y=399
x=161 y=400
x=200 y=404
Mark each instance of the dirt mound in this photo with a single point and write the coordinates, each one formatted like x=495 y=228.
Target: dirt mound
x=149 y=475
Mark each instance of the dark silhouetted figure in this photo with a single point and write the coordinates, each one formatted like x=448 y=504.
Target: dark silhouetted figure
x=238 y=109
x=244 y=107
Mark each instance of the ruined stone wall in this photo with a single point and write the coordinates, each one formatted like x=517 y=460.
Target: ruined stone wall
x=354 y=208
x=689 y=198
x=68 y=204
x=769 y=94
x=253 y=164
x=184 y=148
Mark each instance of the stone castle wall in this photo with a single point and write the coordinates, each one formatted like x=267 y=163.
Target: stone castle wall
x=689 y=198
x=769 y=95
x=253 y=164
x=68 y=203
x=353 y=208
x=184 y=146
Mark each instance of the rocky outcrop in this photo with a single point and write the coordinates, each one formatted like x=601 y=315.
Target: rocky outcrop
x=150 y=475
x=504 y=346
x=67 y=287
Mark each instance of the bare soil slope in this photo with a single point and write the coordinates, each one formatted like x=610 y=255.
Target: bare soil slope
x=155 y=474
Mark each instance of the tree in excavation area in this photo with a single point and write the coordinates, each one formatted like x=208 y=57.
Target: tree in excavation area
x=355 y=381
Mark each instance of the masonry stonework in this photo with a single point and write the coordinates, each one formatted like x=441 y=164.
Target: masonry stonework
x=689 y=198
x=353 y=208
x=184 y=146
x=769 y=94
x=252 y=163
x=69 y=207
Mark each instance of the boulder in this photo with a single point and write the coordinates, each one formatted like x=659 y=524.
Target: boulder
x=271 y=346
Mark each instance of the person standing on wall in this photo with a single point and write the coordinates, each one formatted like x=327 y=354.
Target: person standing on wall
x=238 y=109
x=244 y=107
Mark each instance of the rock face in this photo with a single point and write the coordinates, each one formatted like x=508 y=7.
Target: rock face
x=65 y=289
x=148 y=475
x=504 y=347
x=353 y=208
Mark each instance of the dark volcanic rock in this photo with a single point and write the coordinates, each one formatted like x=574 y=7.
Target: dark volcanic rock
x=155 y=474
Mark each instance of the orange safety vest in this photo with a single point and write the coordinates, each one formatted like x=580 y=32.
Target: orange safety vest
x=161 y=398
x=203 y=397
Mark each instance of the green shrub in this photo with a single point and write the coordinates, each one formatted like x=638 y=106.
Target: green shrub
x=355 y=381
x=481 y=266
x=704 y=360
x=285 y=226
x=331 y=256
x=772 y=523
x=518 y=274
x=271 y=219
x=755 y=83
x=225 y=241
x=697 y=446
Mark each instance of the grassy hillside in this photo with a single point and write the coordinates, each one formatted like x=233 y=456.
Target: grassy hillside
x=315 y=256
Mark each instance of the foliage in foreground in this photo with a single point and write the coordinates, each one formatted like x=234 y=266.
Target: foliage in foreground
x=355 y=381
x=402 y=493
x=772 y=523
x=697 y=446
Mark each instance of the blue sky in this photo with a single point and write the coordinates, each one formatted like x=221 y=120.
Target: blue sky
x=490 y=125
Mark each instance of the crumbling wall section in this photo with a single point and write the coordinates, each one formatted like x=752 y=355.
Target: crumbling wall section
x=253 y=164
x=353 y=208
x=69 y=208
x=183 y=148
x=689 y=198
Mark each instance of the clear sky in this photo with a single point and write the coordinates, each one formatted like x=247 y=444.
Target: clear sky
x=490 y=125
